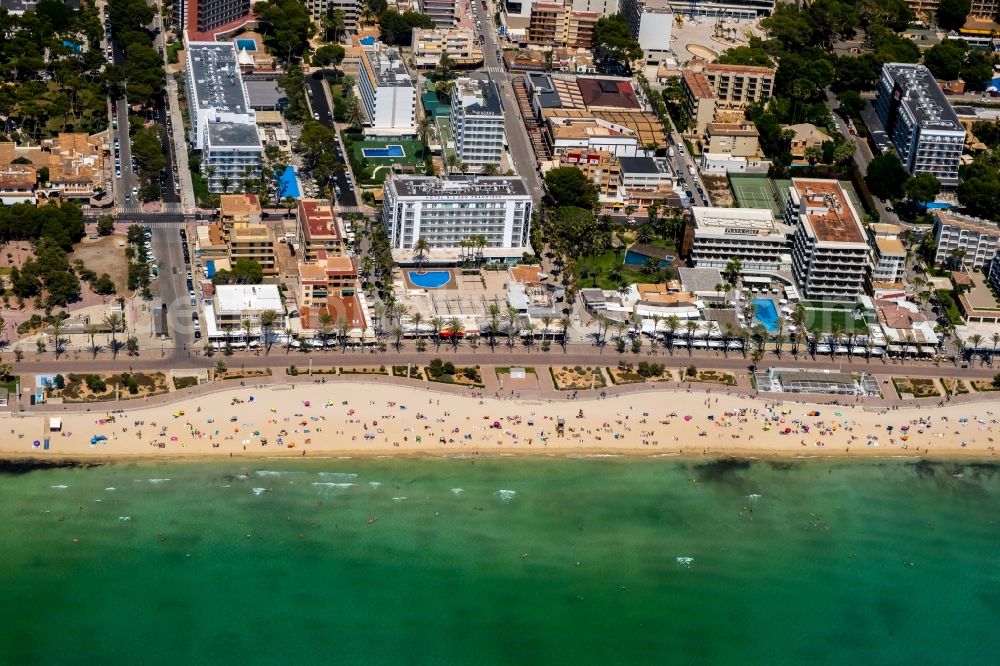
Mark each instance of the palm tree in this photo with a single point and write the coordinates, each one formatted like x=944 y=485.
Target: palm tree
x=288 y=339
x=512 y=317
x=228 y=328
x=114 y=321
x=691 y=327
x=815 y=333
x=437 y=323
x=995 y=339
x=711 y=328
x=424 y=130
x=755 y=356
x=976 y=341
x=247 y=325
x=530 y=329
x=267 y=321
x=779 y=341
x=672 y=322
x=620 y=327
x=57 y=326
x=325 y=329
x=415 y=320
x=454 y=328
x=397 y=332
x=92 y=330
x=343 y=329
x=420 y=250
x=546 y=323
x=564 y=325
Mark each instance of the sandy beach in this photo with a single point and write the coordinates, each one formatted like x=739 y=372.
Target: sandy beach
x=370 y=419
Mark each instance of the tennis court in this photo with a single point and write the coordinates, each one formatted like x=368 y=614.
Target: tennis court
x=754 y=192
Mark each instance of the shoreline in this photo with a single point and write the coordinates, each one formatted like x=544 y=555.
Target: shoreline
x=369 y=420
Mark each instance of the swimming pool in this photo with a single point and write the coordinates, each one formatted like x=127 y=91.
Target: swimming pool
x=288 y=183
x=246 y=45
x=388 y=151
x=638 y=259
x=766 y=314
x=430 y=279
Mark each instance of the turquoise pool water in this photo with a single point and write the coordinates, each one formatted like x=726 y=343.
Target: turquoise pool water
x=288 y=184
x=766 y=314
x=633 y=258
x=430 y=279
x=246 y=44
x=388 y=151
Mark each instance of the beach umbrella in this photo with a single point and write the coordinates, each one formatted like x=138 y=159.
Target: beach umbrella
x=687 y=417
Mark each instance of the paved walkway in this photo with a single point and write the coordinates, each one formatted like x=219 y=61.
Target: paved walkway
x=545 y=392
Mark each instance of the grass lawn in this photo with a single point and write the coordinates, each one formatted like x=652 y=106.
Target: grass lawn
x=826 y=320
x=604 y=263
x=371 y=174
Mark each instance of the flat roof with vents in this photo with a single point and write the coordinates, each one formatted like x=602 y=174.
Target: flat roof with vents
x=825 y=208
x=216 y=77
x=922 y=95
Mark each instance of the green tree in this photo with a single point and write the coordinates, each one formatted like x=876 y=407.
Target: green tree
x=945 y=60
x=951 y=14
x=851 y=103
x=922 y=188
x=790 y=25
x=977 y=189
x=569 y=186
x=886 y=176
x=330 y=54
x=397 y=28
x=615 y=47
x=286 y=26
x=105 y=225
x=755 y=55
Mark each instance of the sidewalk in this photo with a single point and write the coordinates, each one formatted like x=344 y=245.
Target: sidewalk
x=180 y=148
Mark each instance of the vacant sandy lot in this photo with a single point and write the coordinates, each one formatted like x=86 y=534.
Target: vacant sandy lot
x=103 y=255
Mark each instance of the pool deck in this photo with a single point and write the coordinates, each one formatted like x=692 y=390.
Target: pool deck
x=452 y=283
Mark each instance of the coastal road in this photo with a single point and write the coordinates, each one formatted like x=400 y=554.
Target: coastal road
x=279 y=359
x=525 y=162
x=681 y=161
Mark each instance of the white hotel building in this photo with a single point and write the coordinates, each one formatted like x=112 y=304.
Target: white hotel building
x=223 y=126
x=445 y=211
x=477 y=118
x=388 y=95
x=830 y=251
x=920 y=121
x=762 y=244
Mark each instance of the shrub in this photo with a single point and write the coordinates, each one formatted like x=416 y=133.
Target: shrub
x=578 y=369
x=293 y=371
x=996 y=380
x=471 y=374
x=60 y=382
x=449 y=368
x=95 y=383
x=436 y=368
x=691 y=371
x=647 y=369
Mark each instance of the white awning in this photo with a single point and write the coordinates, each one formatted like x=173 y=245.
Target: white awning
x=55 y=424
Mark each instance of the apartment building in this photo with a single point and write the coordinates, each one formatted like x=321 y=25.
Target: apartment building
x=477 y=120
x=962 y=240
x=830 y=252
x=460 y=44
x=223 y=125
x=718 y=235
x=445 y=211
x=920 y=121
x=558 y=24
x=701 y=100
x=238 y=209
x=319 y=230
x=351 y=8
x=600 y=167
x=730 y=9
x=651 y=23
x=207 y=15
x=387 y=91
x=888 y=255
x=739 y=85
x=233 y=304
x=443 y=12
x=733 y=139
x=254 y=242
x=330 y=285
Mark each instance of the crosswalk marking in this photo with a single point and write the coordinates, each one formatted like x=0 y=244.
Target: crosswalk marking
x=495 y=70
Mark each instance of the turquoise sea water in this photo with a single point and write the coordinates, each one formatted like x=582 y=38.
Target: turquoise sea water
x=501 y=562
